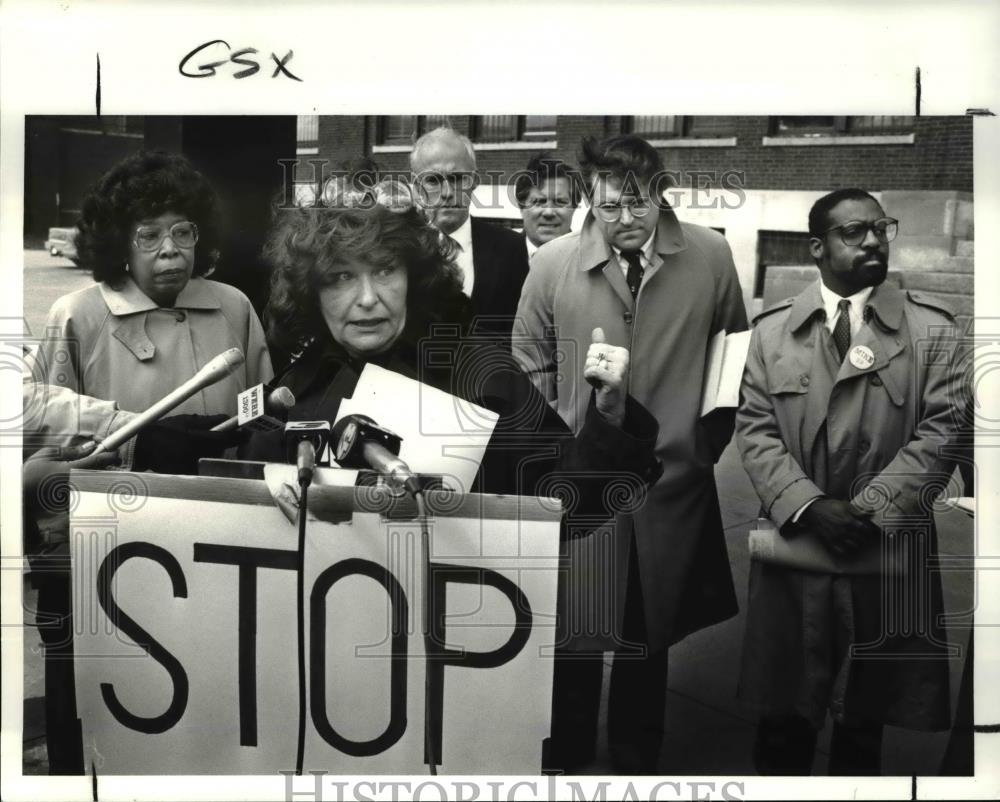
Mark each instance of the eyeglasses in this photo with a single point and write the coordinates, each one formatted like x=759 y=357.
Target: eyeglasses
x=183 y=234
x=432 y=181
x=854 y=232
x=538 y=203
x=612 y=212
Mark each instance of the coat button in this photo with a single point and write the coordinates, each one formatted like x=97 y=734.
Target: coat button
x=876 y=380
x=805 y=380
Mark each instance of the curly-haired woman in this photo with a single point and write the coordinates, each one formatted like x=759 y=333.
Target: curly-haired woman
x=148 y=231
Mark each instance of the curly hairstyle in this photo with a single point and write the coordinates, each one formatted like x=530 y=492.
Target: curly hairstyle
x=306 y=245
x=141 y=186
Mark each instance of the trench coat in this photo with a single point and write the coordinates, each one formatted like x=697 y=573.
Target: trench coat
x=865 y=647
x=689 y=292
x=119 y=345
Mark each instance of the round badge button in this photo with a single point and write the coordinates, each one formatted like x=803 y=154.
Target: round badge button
x=862 y=357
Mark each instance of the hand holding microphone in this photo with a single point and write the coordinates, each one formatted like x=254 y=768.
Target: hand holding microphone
x=215 y=370
x=606 y=370
x=175 y=444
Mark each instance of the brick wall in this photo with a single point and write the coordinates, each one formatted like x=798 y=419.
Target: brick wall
x=939 y=158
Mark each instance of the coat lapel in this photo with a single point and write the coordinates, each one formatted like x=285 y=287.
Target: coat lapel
x=814 y=366
x=880 y=334
x=484 y=287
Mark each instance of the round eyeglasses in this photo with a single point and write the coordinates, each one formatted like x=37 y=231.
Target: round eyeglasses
x=854 y=232
x=612 y=212
x=183 y=234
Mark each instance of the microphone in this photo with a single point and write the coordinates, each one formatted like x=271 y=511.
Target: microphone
x=215 y=370
x=255 y=408
x=304 y=440
x=359 y=442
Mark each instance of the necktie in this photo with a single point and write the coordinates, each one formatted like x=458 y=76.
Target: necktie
x=634 y=276
x=842 y=330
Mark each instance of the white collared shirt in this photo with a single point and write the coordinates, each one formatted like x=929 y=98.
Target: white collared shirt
x=463 y=238
x=531 y=247
x=645 y=256
x=857 y=311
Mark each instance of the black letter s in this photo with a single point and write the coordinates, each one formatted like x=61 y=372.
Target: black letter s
x=131 y=629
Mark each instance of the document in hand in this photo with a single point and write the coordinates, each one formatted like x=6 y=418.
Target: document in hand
x=804 y=552
x=727 y=354
x=441 y=434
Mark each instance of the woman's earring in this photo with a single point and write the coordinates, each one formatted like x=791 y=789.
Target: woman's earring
x=127 y=268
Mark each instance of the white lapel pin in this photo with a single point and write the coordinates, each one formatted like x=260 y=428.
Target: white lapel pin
x=862 y=357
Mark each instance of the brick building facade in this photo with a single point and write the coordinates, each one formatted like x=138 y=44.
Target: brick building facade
x=752 y=178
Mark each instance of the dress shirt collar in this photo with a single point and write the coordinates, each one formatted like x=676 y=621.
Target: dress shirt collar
x=885 y=301
x=645 y=253
x=530 y=246
x=463 y=235
x=831 y=303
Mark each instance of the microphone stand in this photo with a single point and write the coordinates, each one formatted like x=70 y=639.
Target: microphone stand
x=307 y=462
x=425 y=559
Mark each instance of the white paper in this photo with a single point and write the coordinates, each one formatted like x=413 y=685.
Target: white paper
x=727 y=355
x=441 y=434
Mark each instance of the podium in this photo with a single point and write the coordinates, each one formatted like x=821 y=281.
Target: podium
x=185 y=612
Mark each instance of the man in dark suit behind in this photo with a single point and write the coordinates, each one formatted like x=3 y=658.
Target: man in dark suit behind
x=492 y=259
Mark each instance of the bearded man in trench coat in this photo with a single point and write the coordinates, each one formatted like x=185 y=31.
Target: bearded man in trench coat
x=849 y=414
x=661 y=289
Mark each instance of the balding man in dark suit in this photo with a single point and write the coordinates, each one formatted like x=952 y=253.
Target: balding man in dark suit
x=492 y=259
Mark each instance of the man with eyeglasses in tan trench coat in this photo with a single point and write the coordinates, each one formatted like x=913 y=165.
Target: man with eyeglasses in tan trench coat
x=848 y=417
x=661 y=289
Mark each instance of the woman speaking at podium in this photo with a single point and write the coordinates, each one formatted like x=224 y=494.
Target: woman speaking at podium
x=368 y=279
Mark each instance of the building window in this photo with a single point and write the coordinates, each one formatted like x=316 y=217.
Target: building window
x=514 y=128
x=403 y=129
x=307 y=129
x=654 y=127
x=774 y=248
x=675 y=127
x=879 y=125
x=831 y=126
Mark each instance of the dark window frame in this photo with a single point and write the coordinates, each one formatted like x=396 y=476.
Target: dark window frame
x=421 y=126
x=684 y=127
x=843 y=126
x=516 y=130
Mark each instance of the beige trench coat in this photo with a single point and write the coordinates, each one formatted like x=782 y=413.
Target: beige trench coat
x=879 y=435
x=689 y=292
x=119 y=345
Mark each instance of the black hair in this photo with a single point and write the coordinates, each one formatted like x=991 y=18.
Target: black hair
x=144 y=185
x=544 y=167
x=819 y=214
x=627 y=158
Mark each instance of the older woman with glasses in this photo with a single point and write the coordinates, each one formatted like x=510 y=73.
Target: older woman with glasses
x=148 y=233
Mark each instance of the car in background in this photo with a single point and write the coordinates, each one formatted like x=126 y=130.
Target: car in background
x=62 y=242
